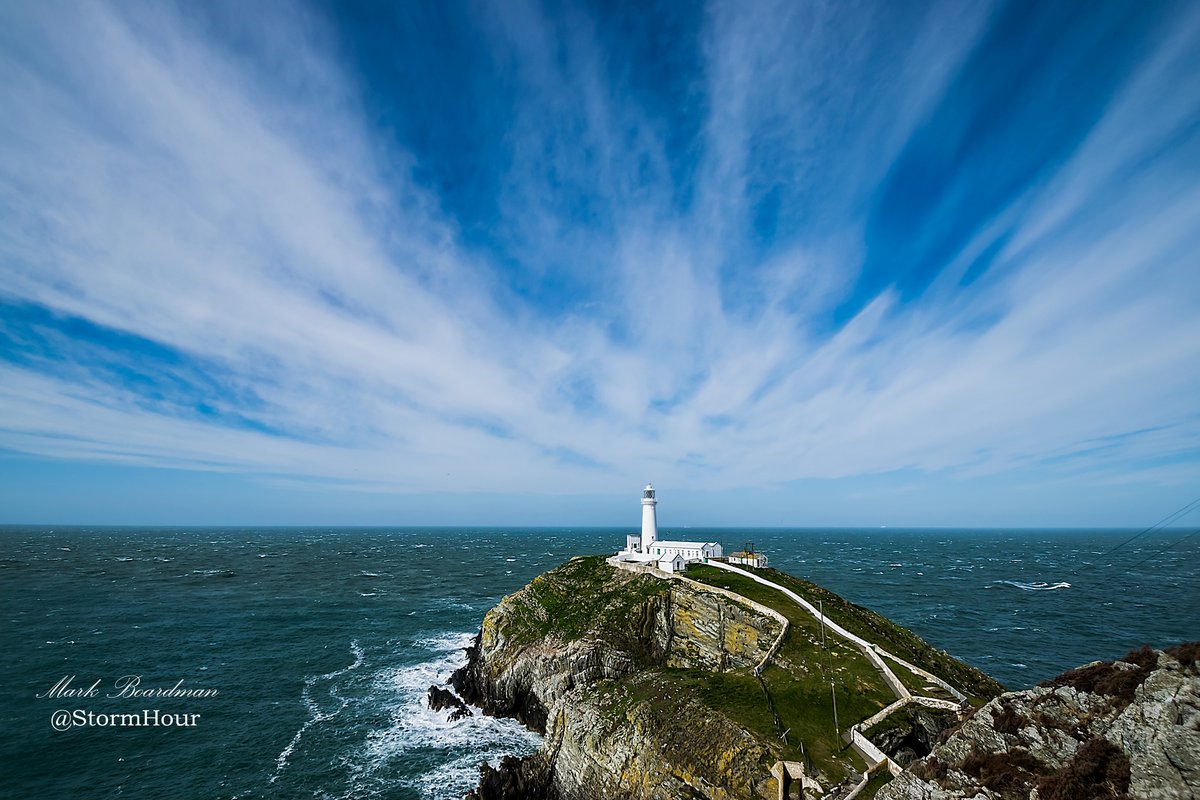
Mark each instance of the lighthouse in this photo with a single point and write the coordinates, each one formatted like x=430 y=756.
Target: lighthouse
x=649 y=518
x=662 y=554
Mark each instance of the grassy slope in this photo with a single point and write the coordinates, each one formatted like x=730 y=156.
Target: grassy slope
x=585 y=597
x=904 y=643
x=582 y=597
x=877 y=782
x=799 y=676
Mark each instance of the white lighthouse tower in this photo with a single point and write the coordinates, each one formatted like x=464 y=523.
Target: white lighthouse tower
x=662 y=554
x=649 y=518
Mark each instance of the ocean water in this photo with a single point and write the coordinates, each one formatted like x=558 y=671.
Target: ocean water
x=321 y=643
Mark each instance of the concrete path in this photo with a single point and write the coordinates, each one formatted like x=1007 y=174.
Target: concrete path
x=875 y=655
x=870 y=650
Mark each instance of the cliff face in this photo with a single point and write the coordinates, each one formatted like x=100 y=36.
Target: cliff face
x=580 y=655
x=1129 y=728
x=647 y=688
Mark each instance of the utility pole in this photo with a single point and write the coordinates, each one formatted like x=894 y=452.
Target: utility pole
x=821 y=603
x=837 y=729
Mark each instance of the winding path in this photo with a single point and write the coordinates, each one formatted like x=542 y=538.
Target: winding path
x=875 y=654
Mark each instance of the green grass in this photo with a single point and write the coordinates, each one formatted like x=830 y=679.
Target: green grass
x=880 y=779
x=585 y=596
x=800 y=674
x=588 y=598
x=873 y=627
x=680 y=702
x=803 y=708
x=582 y=598
x=896 y=720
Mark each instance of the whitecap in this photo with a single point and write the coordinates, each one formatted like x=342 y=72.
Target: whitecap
x=1037 y=586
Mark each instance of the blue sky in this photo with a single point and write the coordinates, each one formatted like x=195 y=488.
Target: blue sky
x=798 y=263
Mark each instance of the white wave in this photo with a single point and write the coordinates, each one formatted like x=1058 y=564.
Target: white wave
x=315 y=713
x=414 y=732
x=447 y=642
x=1037 y=586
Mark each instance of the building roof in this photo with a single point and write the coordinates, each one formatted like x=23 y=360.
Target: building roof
x=682 y=545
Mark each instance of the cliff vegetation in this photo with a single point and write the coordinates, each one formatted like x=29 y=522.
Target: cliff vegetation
x=646 y=687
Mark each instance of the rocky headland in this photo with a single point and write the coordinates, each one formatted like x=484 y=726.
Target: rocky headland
x=714 y=685
x=1119 y=729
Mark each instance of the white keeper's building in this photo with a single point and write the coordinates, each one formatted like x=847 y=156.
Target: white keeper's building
x=666 y=554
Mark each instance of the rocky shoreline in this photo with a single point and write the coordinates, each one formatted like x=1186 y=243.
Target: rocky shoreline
x=634 y=680
x=1116 y=729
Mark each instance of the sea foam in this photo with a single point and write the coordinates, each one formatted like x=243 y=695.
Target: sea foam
x=416 y=734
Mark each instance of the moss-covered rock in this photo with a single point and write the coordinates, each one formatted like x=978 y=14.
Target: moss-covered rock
x=646 y=687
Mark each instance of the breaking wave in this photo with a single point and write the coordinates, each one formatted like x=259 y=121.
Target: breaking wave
x=416 y=735
x=1037 y=586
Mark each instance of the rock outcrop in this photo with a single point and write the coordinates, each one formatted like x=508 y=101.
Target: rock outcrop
x=912 y=733
x=440 y=699
x=652 y=689
x=646 y=688
x=575 y=655
x=1127 y=728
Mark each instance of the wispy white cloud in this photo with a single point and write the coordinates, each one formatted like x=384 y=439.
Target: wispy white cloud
x=154 y=183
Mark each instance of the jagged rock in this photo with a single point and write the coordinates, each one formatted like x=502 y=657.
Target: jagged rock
x=644 y=688
x=517 y=779
x=576 y=692
x=440 y=699
x=1129 y=728
x=912 y=733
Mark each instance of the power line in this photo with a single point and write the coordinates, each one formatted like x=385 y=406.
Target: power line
x=1167 y=520
x=1165 y=549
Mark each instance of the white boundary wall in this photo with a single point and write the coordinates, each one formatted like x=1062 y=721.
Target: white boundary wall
x=868 y=649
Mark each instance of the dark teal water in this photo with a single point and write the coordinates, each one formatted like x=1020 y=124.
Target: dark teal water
x=322 y=642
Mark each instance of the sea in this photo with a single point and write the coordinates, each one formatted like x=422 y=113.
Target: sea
x=320 y=643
